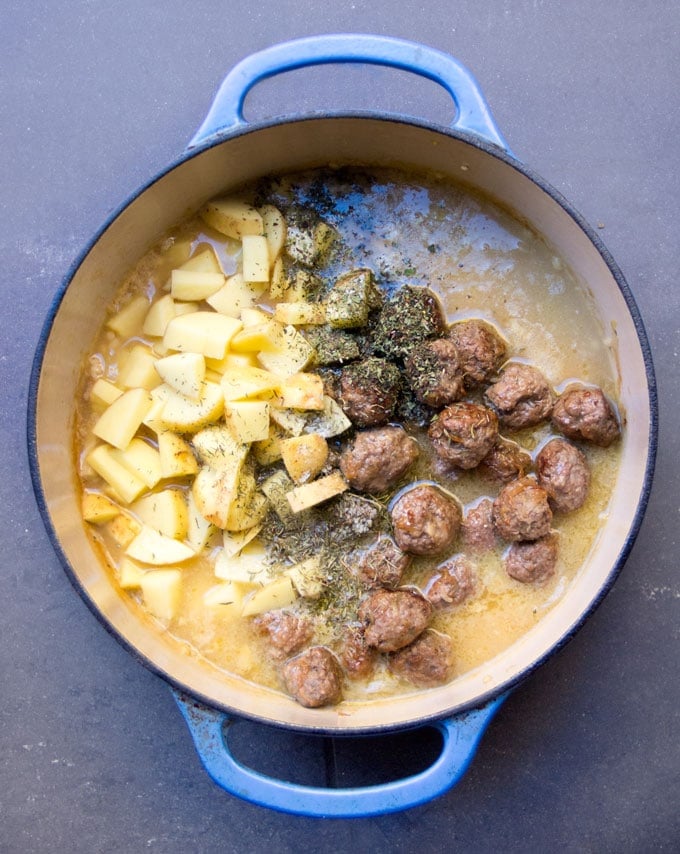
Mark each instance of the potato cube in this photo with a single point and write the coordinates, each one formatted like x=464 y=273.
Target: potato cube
x=97 y=508
x=307 y=578
x=176 y=252
x=103 y=393
x=149 y=546
x=300 y=313
x=292 y=355
x=278 y=282
x=204 y=260
x=268 y=450
x=228 y=596
x=215 y=489
x=330 y=422
x=200 y=531
x=130 y=574
x=161 y=592
x=255 y=258
x=126 y=484
x=246 y=512
x=217 y=448
x=183 y=415
x=302 y=391
x=268 y=336
x=165 y=512
x=248 y=382
x=303 y=287
x=122 y=529
x=249 y=565
x=205 y=332
x=194 y=285
x=142 y=460
x=234 y=541
x=127 y=321
x=233 y=217
x=248 y=420
x=184 y=372
x=232 y=360
x=290 y=421
x=138 y=369
x=309 y=246
x=350 y=299
x=276 y=488
x=121 y=420
x=176 y=457
x=253 y=316
x=159 y=315
x=235 y=295
x=310 y=494
x=274 y=229
x=277 y=594
x=304 y=456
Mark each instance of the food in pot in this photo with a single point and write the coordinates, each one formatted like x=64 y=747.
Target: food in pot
x=320 y=438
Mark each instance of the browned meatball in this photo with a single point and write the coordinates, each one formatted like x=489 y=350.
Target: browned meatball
x=452 y=584
x=563 y=472
x=585 y=414
x=521 y=511
x=383 y=564
x=314 y=677
x=425 y=520
x=463 y=434
x=287 y=632
x=477 y=531
x=357 y=656
x=394 y=618
x=532 y=562
x=521 y=397
x=481 y=350
x=426 y=662
x=377 y=459
x=506 y=461
x=433 y=372
x=409 y=317
x=368 y=391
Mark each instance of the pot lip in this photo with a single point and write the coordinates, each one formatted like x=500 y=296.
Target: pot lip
x=492 y=150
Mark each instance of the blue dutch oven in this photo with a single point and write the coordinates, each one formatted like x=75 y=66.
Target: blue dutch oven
x=228 y=151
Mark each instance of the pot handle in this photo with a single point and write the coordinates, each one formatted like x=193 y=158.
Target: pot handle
x=460 y=734
x=472 y=111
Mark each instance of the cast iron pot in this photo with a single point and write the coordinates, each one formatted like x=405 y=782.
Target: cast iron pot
x=226 y=152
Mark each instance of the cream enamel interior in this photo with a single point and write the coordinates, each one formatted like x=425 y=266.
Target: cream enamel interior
x=283 y=148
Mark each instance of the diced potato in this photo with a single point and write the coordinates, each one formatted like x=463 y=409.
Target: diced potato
x=127 y=321
x=142 y=460
x=255 y=258
x=127 y=485
x=233 y=217
x=246 y=512
x=159 y=315
x=309 y=246
x=122 y=529
x=304 y=456
x=302 y=391
x=194 y=285
x=268 y=336
x=103 y=393
x=277 y=594
x=249 y=565
x=161 y=591
x=158 y=397
x=98 y=508
x=176 y=252
x=290 y=421
x=235 y=295
x=331 y=422
x=217 y=448
x=303 y=287
x=183 y=415
x=165 y=512
x=121 y=420
x=215 y=487
x=248 y=382
x=300 y=313
x=349 y=300
x=138 y=369
x=307 y=578
x=292 y=356
x=276 y=487
x=130 y=574
x=278 y=282
x=274 y=229
x=204 y=260
x=268 y=451
x=228 y=596
x=310 y=494
x=185 y=308
x=234 y=541
x=205 y=332
x=176 y=457
x=149 y=546
x=253 y=316
x=232 y=360
x=200 y=531
x=248 y=420
x=184 y=372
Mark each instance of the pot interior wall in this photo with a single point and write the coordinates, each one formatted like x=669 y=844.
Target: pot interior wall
x=288 y=147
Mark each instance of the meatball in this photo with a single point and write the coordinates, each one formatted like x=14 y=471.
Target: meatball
x=394 y=618
x=481 y=350
x=452 y=584
x=463 y=434
x=368 y=391
x=477 y=530
x=506 y=461
x=585 y=414
x=383 y=564
x=425 y=520
x=563 y=472
x=377 y=459
x=521 y=397
x=532 y=562
x=287 y=633
x=426 y=662
x=409 y=317
x=314 y=677
x=433 y=372
x=521 y=511
x=357 y=656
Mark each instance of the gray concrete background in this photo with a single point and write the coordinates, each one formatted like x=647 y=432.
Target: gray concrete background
x=95 y=98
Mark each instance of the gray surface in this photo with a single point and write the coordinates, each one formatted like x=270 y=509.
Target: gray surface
x=95 y=98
